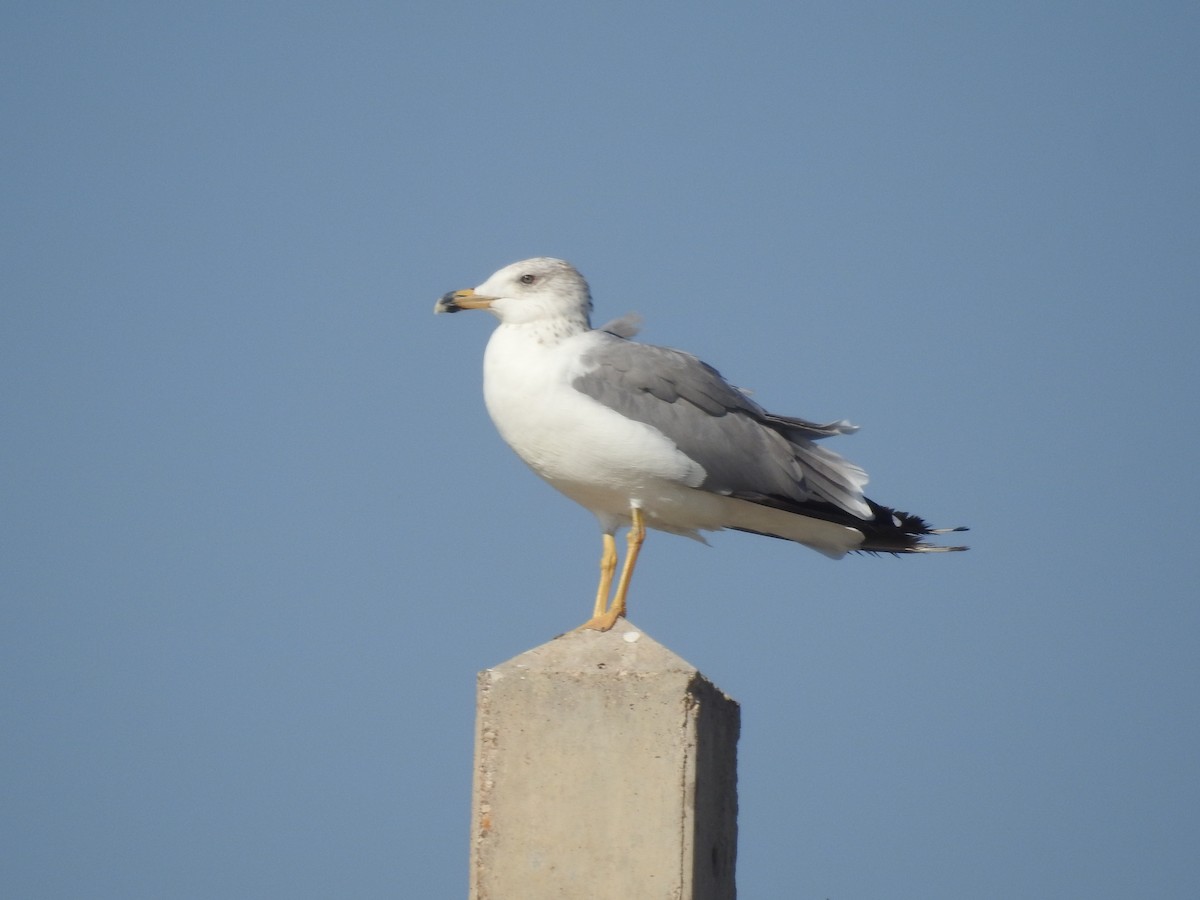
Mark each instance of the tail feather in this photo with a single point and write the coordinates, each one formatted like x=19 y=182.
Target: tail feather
x=889 y=531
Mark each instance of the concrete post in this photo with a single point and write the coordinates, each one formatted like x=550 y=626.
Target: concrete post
x=605 y=769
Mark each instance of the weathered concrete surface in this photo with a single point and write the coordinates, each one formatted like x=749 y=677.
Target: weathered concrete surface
x=605 y=767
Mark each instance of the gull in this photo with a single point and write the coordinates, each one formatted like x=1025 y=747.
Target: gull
x=650 y=437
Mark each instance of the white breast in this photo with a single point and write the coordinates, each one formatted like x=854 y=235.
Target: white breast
x=591 y=453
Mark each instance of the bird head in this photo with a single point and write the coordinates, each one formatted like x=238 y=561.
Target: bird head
x=526 y=291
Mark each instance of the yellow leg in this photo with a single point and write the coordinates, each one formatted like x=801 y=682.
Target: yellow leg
x=637 y=534
x=603 y=620
x=608 y=565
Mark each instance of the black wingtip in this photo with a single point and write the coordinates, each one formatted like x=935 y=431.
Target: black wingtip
x=894 y=531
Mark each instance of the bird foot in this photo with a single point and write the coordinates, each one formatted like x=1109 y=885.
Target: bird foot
x=602 y=622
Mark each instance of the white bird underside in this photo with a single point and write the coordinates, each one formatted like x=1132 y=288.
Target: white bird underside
x=637 y=433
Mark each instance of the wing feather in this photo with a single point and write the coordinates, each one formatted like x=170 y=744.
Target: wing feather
x=745 y=451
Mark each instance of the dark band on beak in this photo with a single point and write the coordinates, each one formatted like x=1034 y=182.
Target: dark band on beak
x=456 y=301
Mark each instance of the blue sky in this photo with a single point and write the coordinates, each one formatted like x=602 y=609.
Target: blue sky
x=258 y=534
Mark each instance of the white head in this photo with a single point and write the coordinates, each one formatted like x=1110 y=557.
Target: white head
x=535 y=289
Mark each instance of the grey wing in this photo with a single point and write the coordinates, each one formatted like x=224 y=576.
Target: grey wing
x=745 y=451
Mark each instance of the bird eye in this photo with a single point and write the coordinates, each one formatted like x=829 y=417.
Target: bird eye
x=528 y=279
